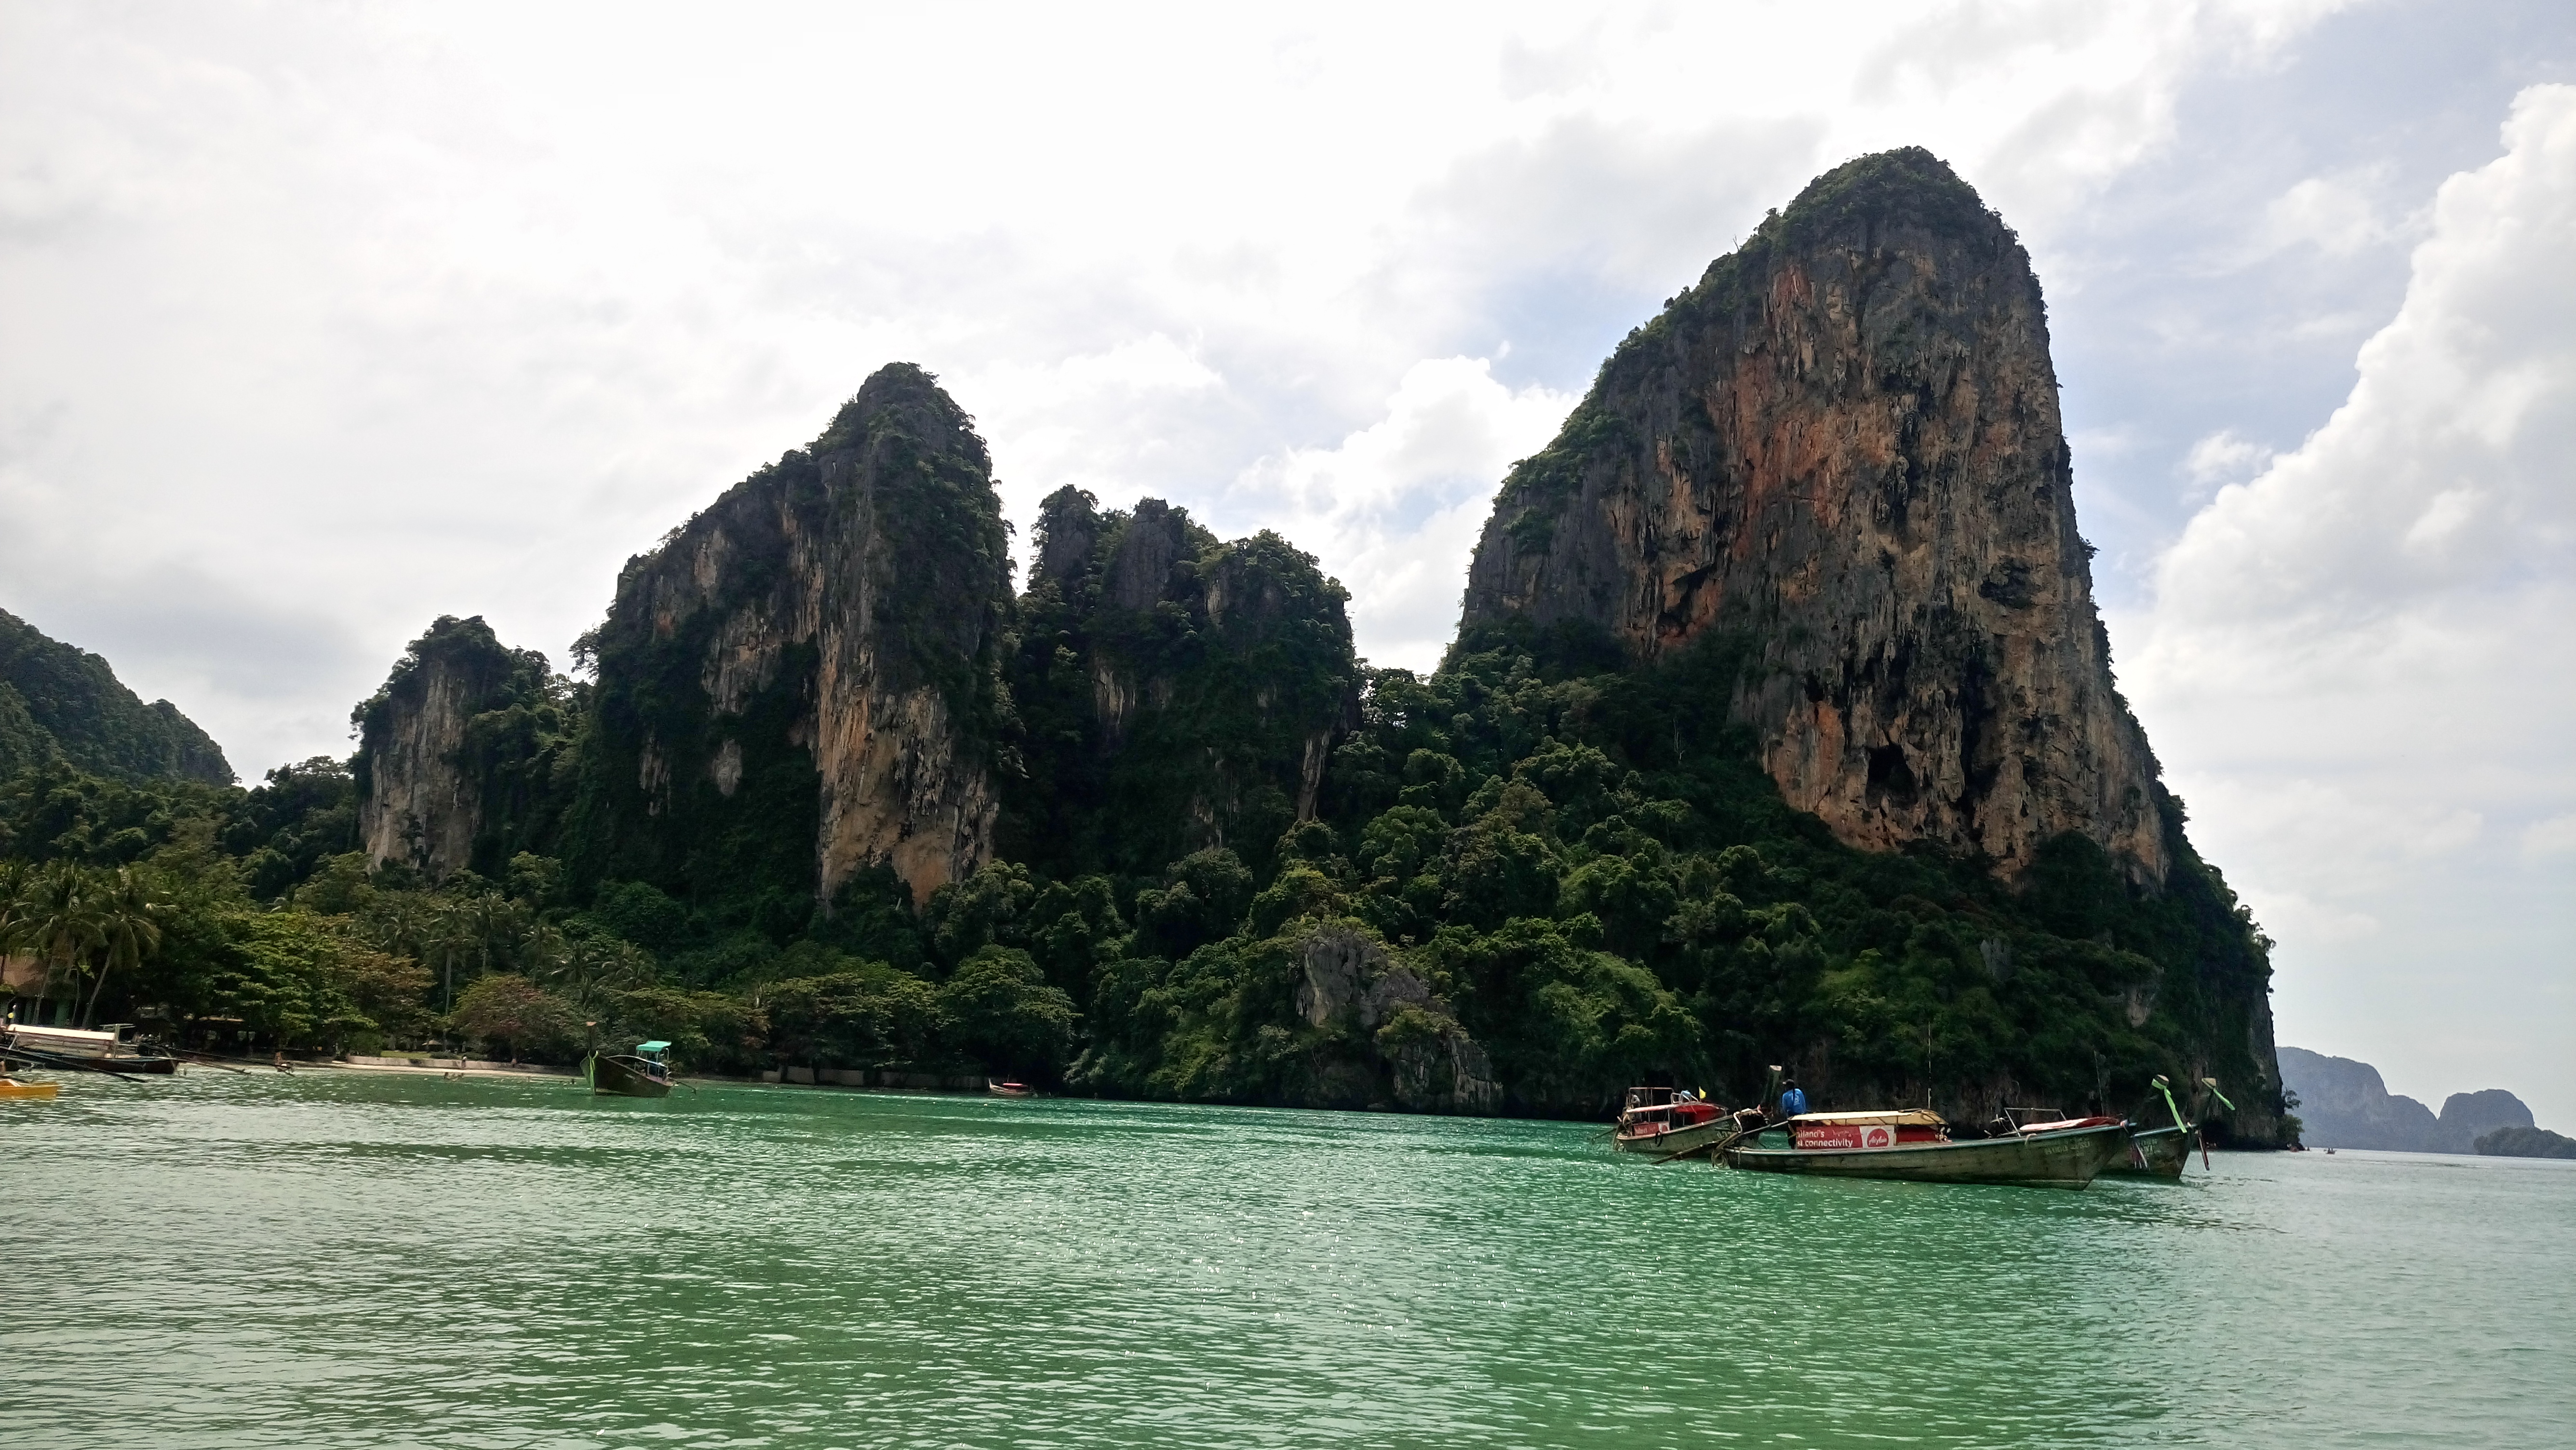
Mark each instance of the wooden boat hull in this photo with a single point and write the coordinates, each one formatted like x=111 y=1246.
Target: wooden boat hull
x=1697 y=1138
x=622 y=1077
x=2069 y=1159
x=2154 y=1153
x=81 y=1047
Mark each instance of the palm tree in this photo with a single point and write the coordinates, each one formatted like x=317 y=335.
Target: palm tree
x=447 y=942
x=587 y=965
x=58 y=918
x=540 y=948
x=126 y=928
x=14 y=878
x=397 y=922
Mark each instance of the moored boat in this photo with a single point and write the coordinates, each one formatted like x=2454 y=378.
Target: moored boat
x=1669 y=1123
x=2154 y=1153
x=643 y=1073
x=12 y=1090
x=113 y=1048
x=2163 y=1152
x=1009 y=1089
x=1914 y=1144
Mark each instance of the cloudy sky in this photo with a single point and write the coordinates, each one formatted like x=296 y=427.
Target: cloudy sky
x=319 y=321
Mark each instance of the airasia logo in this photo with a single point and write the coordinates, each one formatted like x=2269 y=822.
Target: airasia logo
x=1878 y=1137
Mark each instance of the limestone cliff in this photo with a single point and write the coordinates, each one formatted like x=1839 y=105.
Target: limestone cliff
x=1842 y=447
x=454 y=749
x=800 y=684
x=1178 y=692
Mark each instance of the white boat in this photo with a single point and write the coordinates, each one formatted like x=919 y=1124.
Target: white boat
x=112 y=1047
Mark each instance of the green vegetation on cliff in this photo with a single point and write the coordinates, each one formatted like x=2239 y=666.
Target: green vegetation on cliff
x=58 y=703
x=855 y=578
x=467 y=718
x=1173 y=691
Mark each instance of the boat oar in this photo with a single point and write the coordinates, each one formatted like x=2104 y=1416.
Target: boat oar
x=2210 y=1083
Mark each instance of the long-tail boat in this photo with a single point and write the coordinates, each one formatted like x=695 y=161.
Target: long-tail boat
x=1669 y=1123
x=113 y=1048
x=1915 y=1144
x=2163 y=1152
x=643 y=1073
x=2155 y=1153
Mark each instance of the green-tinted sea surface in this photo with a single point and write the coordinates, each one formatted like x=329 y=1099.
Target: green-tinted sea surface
x=343 y=1259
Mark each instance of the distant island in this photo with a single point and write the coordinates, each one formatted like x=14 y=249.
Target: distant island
x=2341 y=1103
x=2527 y=1143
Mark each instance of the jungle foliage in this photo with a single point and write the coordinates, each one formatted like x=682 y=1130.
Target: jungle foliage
x=59 y=703
x=1584 y=866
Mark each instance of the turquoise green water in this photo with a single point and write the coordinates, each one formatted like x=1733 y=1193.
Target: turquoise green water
x=360 y=1260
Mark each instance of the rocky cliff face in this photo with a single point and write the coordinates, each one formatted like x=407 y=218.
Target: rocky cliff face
x=1178 y=692
x=1843 y=447
x=800 y=684
x=428 y=789
x=1391 y=1040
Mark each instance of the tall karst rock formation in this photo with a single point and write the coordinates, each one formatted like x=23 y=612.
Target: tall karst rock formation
x=456 y=753
x=801 y=684
x=1843 y=445
x=1178 y=692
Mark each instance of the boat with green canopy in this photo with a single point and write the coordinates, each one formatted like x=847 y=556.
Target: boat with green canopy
x=643 y=1073
x=2162 y=1152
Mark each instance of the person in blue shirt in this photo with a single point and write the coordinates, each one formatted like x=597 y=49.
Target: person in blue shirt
x=1793 y=1099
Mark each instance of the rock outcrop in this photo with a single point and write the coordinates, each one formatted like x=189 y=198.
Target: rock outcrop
x=1398 y=1043
x=801 y=683
x=1178 y=692
x=1843 y=449
x=426 y=768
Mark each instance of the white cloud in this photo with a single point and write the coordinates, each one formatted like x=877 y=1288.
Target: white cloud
x=2357 y=666
x=2337 y=215
x=2555 y=836
x=2223 y=457
x=1393 y=510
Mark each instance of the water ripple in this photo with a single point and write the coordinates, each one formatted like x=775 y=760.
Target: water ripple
x=329 y=1260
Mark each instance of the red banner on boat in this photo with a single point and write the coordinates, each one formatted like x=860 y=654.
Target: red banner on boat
x=1846 y=1135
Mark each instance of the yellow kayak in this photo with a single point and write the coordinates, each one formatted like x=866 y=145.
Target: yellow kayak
x=34 y=1092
